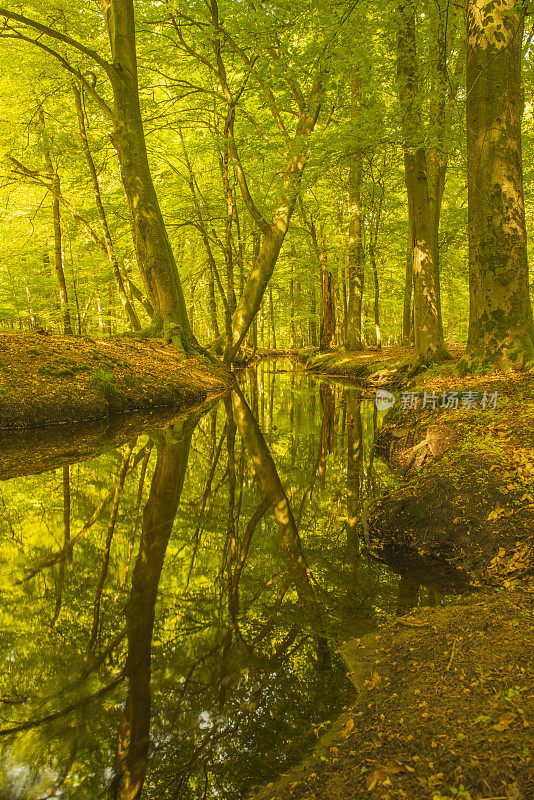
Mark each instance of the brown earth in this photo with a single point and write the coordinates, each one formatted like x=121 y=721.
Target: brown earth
x=467 y=498
x=50 y=380
x=445 y=709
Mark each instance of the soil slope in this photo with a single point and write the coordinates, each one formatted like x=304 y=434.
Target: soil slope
x=47 y=380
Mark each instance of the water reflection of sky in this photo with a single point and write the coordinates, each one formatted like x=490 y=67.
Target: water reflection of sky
x=184 y=640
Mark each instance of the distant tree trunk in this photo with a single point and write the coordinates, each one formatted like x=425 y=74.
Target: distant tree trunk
x=298 y=322
x=110 y=248
x=56 y=214
x=501 y=330
x=429 y=344
x=291 y=305
x=356 y=268
x=372 y=259
x=313 y=314
x=271 y=309
x=328 y=308
x=31 y=315
x=212 y=302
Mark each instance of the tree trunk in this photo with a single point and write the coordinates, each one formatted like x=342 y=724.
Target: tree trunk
x=429 y=344
x=356 y=268
x=501 y=331
x=313 y=313
x=408 y=287
x=152 y=246
x=328 y=317
x=56 y=214
x=271 y=309
x=372 y=259
x=110 y=248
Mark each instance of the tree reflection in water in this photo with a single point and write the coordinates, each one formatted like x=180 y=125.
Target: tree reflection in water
x=212 y=658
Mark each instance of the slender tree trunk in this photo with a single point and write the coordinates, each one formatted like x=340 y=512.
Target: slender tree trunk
x=501 y=330
x=313 y=314
x=110 y=248
x=328 y=308
x=372 y=259
x=356 y=268
x=429 y=344
x=212 y=302
x=271 y=309
x=291 y=305
x=56 y=214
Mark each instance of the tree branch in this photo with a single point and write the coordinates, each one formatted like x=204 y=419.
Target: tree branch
x=53 y=34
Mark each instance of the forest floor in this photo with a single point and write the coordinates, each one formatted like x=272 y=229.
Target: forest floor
x=445 y=709
x=445 y=706
x=50 y=380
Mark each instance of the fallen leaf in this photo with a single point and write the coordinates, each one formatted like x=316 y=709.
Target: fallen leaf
x=373 y=682
x=347 y=728
x=505 y=721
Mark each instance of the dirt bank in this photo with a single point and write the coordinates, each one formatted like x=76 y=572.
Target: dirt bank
x=49 y=380
x=445 y=710
x=375 y=367
x=467 y=498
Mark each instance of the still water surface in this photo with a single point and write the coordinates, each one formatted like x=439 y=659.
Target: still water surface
x=171 y=610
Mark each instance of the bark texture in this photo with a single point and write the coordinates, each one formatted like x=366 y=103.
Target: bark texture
x=501 y=331
x=429 y=344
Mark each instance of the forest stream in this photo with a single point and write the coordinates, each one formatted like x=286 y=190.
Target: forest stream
x=161 y=626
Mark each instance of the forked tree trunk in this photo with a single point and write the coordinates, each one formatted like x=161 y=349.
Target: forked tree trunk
x=429 y=344
x=501 y=332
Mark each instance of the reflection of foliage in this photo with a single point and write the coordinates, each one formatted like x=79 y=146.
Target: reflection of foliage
x=236 y=667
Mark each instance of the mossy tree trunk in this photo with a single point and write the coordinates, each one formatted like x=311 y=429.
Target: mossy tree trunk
x=501 y=332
